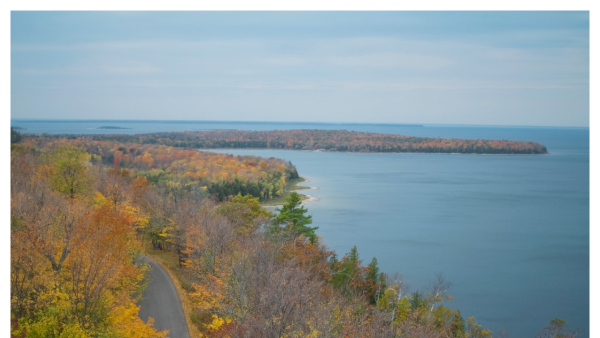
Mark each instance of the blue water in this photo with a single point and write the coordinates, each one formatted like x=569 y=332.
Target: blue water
x=511 y=232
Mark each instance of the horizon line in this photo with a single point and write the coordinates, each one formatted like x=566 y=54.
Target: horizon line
x=282 y=122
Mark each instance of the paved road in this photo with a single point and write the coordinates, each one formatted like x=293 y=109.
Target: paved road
x=161 y=302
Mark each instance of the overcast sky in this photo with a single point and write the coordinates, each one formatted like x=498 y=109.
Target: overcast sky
x=492 y=68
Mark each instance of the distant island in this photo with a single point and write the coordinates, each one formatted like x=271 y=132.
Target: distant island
x=17 y=128
x=324 y=140
x=112 y=127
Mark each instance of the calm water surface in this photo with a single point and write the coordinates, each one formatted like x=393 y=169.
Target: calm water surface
x=511 y=232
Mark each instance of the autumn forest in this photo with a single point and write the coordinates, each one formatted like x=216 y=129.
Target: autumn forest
x=84 y=208
x=330 y=140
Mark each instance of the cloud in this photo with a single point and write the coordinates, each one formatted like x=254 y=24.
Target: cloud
x=407 y=60
x=130 y=69
x=383 y=66
x=284 y=61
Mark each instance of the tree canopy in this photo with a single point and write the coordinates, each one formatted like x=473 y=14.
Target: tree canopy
x=330 y=140
x=69 y=170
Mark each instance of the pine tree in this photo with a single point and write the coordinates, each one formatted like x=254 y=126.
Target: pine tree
x=15 y=136
x=373 y=280
x=292 y=216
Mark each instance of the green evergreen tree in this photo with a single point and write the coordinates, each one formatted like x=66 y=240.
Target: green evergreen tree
x=353 y=256
x=15 y=136
x=373 y=277
x=292 y=216
x=346 y=271
x=416 y=300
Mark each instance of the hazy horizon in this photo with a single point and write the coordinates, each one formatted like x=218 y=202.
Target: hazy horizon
x=463 y=68
x=284 y=122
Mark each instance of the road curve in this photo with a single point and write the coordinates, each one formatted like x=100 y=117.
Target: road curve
x=161 y=302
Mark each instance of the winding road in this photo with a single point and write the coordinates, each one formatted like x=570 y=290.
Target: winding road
x=161 y=302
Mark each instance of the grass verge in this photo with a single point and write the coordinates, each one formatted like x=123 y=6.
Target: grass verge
x=292 y=185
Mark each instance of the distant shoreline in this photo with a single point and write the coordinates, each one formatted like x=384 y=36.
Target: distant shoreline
x=112 y=127
x=366 y=153
x=450 y=125
x=219 y=122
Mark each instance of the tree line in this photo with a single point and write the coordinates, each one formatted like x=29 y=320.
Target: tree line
x=330 y=140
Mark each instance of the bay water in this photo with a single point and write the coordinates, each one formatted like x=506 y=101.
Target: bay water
x=511 y=232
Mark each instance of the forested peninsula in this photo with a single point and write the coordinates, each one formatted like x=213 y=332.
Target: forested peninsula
x=328 y=140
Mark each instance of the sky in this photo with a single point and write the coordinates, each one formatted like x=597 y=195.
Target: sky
x=483 y=68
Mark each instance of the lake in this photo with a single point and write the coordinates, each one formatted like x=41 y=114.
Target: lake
x=511 y=232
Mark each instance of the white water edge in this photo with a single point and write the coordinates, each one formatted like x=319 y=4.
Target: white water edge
x=310 y=198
